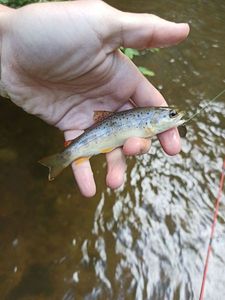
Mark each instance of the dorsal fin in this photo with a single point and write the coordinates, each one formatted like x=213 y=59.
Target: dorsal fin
x=101 y=115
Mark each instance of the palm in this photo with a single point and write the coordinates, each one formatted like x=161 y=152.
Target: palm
x=60 y=62
x=69 y=74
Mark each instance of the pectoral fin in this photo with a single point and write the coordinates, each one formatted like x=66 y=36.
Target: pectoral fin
x=67 y=143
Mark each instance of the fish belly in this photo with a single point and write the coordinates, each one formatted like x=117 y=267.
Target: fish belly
x=108 y=143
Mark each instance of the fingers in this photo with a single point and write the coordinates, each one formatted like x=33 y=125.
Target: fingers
x=170 y=141
x=84 y=178
x=116 y=160
x=145 y=31
x=147 y=95
x=116 y=168
x=135 y=146
x=82 y=171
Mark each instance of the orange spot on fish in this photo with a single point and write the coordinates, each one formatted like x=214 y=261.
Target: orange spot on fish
x=106 y=150
x=81 y=160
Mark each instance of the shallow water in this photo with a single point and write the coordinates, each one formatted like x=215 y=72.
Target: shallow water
x=147 y=240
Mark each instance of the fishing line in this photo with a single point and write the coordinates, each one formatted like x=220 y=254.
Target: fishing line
x=216 y=210
x=204 y=107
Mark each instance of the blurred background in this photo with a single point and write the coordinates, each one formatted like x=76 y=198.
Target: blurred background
x=147 y=240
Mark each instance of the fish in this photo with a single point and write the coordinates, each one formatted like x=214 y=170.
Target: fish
x=111 y=132
x=112 y=129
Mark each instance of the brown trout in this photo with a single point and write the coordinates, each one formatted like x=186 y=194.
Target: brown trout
x=112 y=132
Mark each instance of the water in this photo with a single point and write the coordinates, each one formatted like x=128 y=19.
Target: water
x=147 y=240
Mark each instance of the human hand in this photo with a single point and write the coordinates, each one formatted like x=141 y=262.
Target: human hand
x=60 y=61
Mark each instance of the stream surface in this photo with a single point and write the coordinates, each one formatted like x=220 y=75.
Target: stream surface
x=147 y=240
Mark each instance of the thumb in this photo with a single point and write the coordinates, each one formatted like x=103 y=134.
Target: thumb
x=146 y=31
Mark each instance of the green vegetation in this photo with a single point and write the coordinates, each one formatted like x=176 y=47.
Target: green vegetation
x=131 y=53
x=146 y=71
x=18 y=3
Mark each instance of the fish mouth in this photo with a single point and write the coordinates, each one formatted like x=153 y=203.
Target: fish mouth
x=179 y=118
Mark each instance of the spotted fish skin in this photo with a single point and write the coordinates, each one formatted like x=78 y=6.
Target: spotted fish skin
x=112 y=132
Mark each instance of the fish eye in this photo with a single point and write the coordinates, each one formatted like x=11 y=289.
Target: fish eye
x=173 y=113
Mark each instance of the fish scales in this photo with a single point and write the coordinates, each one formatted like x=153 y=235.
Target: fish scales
x=117 y=126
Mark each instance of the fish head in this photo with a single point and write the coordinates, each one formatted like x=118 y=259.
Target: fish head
x=168 y=117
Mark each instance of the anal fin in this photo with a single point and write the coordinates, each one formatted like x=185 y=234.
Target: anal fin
x=106 y=150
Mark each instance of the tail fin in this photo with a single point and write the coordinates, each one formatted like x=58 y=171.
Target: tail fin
x=56 y=163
